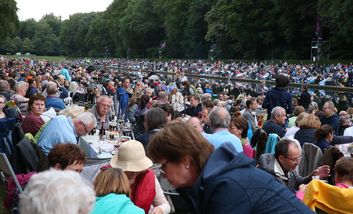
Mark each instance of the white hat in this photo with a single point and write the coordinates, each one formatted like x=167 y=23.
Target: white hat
x=131 y=157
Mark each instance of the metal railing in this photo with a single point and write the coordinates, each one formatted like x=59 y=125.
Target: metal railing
x=241 y=80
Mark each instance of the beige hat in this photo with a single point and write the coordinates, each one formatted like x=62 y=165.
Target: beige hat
x=131 y=157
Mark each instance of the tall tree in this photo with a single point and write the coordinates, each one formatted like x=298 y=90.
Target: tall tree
x=8 y=18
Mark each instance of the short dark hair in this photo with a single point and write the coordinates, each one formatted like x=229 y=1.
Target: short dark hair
x=282 y=147
x=65 y=154
x=323 y=132
x=282 y=81
x=168 y=109
x=344 y=168
x=34 y=98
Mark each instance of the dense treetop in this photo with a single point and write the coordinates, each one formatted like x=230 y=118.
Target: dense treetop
x=248 y=29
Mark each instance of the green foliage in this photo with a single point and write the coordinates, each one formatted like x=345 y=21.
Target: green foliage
x=8 y=18
x=241 y=29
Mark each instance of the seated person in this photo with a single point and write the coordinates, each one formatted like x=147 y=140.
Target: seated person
x=102 y=111
x=65 y=129
x=112 y=190
x=283 y=163
x=333 y=199
x=55 y=191
x=33 y=121
x=146 y=192
x=66 y=156
x=52 y=99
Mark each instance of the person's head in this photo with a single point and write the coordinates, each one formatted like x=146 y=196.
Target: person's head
x=325 y=132
x=163 y=96
x=238 y=126
x=111 y=180
x=143 y=101
x=281 y=81
x=182 y=151
x=155 y=118
x=21 y=88
x=299 y=118
x=169 y=111
x=103 y=105
x=278 y=115
x=298 y=110
x=66 y=156
x=2 y=102
x=52 y=88
x=288 y=154
x=328 y=109
x=126 y=83
x=131 y=159
x=84 y=123
x=219 y=118
x=304 y=88
x=36 y=104
x=344 y=171
x=4 y=86
x=196 y=123
x=251 y=104
x=309 y=121
x=149 y=92
x=203 y=115
x=32 y=83
x=55 y=192
x=194 y=100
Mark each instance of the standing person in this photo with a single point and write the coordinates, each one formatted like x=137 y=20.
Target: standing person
x=123 y=98
x=278 y=96
x=217 y=181
x=305 y=97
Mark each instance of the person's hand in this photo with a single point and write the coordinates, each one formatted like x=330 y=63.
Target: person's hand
x=157 y=210
x=323 y=172
x=302 y=187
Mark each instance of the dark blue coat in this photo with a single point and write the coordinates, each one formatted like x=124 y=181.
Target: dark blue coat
x=333 y=121
x=230 y=183
x=278 y=97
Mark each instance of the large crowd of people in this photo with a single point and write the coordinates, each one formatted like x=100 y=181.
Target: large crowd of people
x=226 y=147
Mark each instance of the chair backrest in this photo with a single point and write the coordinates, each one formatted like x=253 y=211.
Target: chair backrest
x=271 y=143
x=6 y=168
x=311 y=156
x=26 y=159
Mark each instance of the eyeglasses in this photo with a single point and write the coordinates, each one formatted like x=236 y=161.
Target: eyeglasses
x=296 y=160
x=84 y=125
x=163 y=166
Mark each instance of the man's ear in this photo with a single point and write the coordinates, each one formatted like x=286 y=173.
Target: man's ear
x=281 y=158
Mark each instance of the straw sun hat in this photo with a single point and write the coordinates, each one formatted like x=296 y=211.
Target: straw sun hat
x=131 y=157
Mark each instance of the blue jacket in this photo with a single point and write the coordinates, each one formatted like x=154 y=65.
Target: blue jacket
x=114 y=204
x=230 y=183
x=278 y=97
x=123 y=98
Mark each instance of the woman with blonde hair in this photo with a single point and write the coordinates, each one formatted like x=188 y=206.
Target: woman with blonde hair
x=112 y=190
x=307 y=129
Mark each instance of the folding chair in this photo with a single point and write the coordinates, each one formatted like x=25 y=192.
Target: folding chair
x=6 y=169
